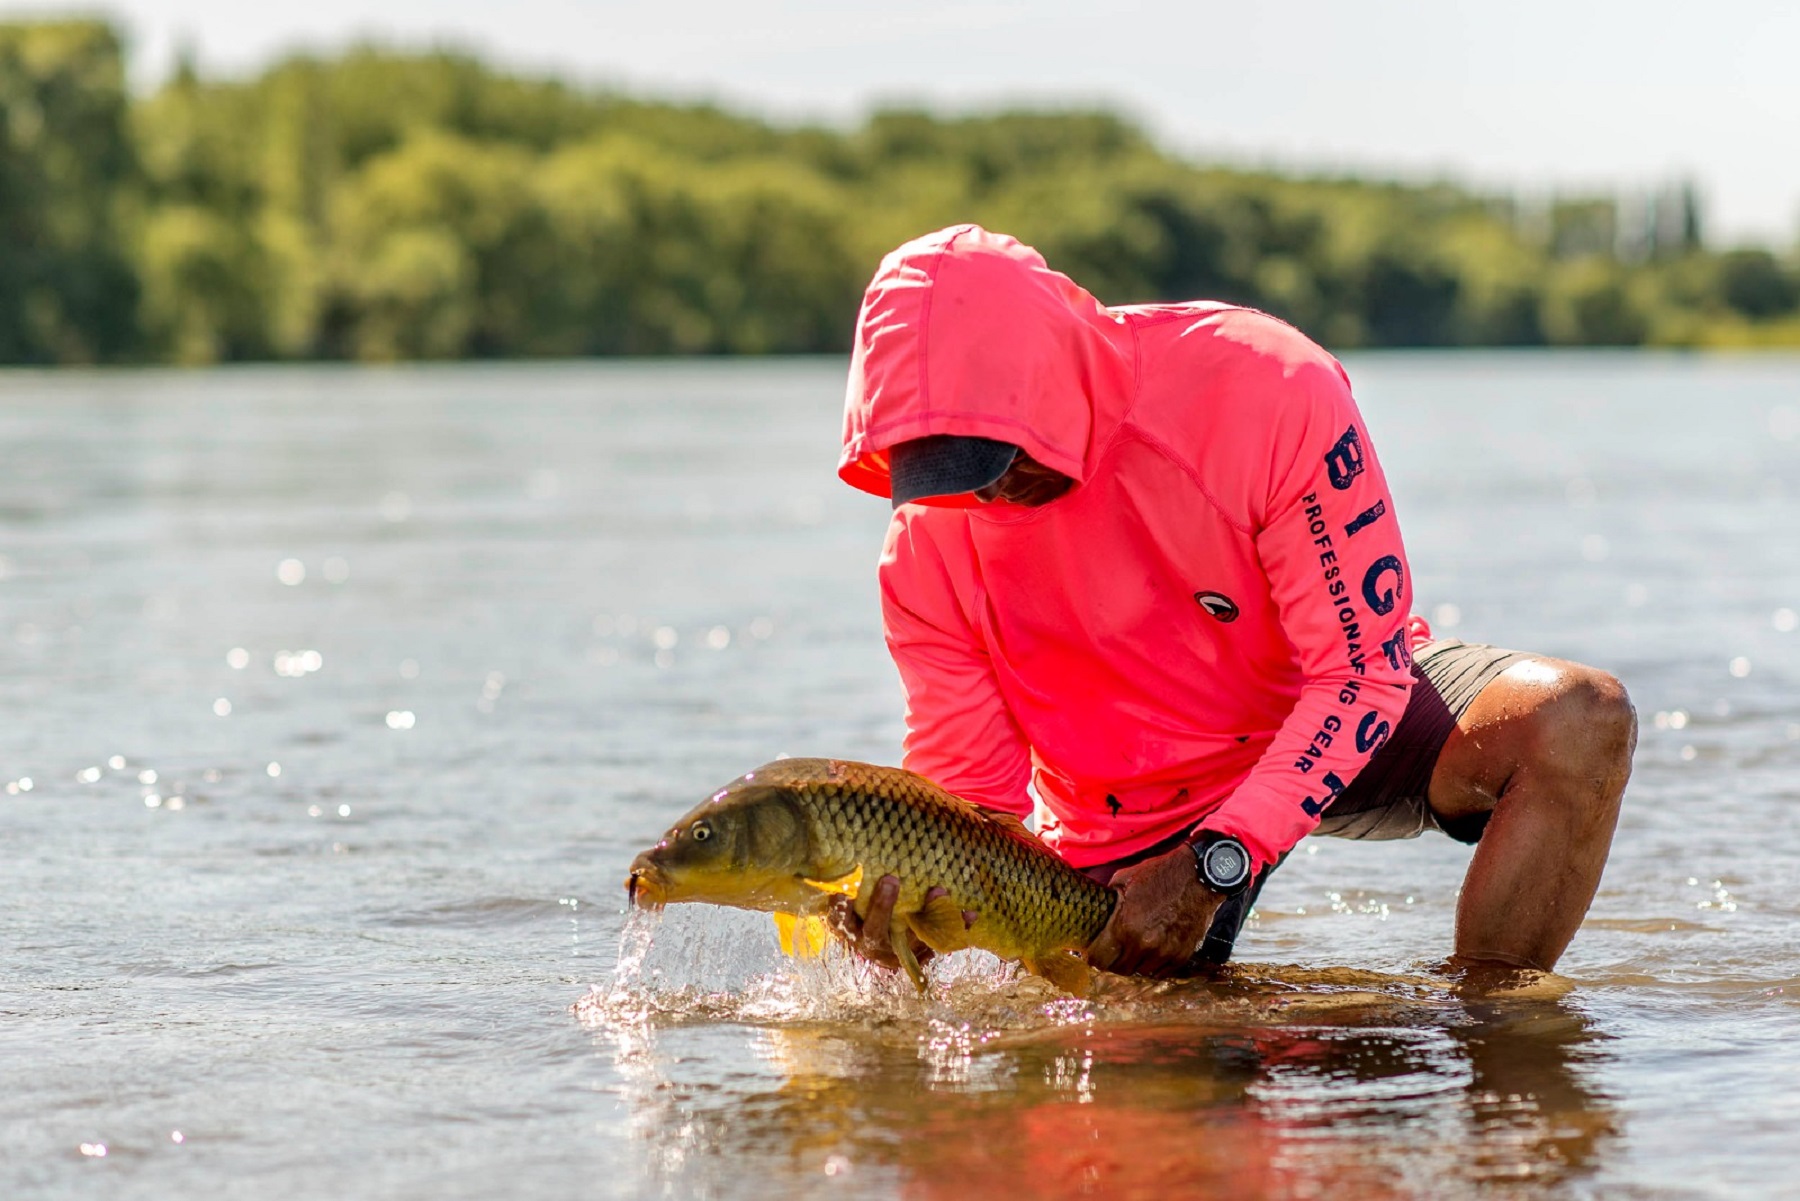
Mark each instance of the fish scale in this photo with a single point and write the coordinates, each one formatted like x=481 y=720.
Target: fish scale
x=859 y=822
x=891 y=822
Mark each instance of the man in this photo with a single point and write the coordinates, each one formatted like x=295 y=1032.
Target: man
x=1144 y=560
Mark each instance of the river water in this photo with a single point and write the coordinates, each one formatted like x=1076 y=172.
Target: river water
x=335 y=702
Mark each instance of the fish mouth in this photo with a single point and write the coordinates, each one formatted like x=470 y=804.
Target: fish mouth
x=646 y=887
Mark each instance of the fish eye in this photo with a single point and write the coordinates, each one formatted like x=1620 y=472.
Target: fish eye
x=701 y=831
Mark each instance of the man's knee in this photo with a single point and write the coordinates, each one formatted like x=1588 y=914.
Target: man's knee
x=1585 y=713
x=1579 y=731
x=1541 y=722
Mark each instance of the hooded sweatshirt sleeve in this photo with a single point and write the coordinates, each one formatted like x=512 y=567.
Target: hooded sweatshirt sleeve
x=959 y=732
x=1325 y=534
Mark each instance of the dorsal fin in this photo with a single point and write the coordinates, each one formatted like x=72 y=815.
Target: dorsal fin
x=1007 y=822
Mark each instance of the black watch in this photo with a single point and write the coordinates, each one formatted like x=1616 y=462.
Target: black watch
x=1221 y=862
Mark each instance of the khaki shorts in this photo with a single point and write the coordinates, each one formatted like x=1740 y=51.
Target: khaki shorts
x=1388 y=797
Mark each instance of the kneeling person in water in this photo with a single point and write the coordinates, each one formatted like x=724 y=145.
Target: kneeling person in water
x=1144 y=561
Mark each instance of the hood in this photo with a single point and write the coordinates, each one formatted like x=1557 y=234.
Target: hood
x=968 y=332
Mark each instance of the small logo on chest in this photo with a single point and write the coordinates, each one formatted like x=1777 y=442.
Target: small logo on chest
x=1218 y=605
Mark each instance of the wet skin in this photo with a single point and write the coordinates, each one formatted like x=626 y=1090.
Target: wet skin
x=1545 y=749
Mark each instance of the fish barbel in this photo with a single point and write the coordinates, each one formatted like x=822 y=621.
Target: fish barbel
x=790 y=835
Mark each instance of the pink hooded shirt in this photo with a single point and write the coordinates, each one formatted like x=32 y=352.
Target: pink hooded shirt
x=1210 y=628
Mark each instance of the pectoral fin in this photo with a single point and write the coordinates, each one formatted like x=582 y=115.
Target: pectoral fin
x=802 y=937
x=940 y=924
x=847 y=884
x=1065 y=969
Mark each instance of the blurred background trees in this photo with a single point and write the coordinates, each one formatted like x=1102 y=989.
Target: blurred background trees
x=386 y=206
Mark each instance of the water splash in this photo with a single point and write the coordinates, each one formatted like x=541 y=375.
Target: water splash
x=700 y=967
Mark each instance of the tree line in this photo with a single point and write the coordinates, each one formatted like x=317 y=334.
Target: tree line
x=379 y=206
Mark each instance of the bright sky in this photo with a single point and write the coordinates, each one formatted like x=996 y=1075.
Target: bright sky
x=1529 y=95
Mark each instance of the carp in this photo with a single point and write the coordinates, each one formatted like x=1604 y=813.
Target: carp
x=794 y=833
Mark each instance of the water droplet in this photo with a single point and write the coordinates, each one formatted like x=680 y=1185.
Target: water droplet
x=274 y=770
x=762 y=627
x=117 y=763
x=88 y=775
x=1688 y=753
x=400 y=719
x=1447 y=615
x=210 y=775
x=343 y=811
x=94 y=1150
x=222 y=708
x=146 y=776
x=175 y=1136
x=290 y=572
x=25 y=784
x=152 y=801
x=718 y=638
x=1785 y=621
x=176 y=803
x=237 y=658
x=665 y=638
x=1740 y=667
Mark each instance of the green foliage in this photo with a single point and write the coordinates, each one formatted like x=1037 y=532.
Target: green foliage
x=67 y=291
x=385 y=206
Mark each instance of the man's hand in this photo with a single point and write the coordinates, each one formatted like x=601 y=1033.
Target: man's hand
x=1162 y=914
x=868 y=936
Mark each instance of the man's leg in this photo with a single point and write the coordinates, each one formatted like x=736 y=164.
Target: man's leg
x=1544 y=750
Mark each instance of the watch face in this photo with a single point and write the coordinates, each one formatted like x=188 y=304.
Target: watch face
x=1226 y=864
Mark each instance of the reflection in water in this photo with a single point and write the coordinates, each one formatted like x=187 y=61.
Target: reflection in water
x=1268 y=1082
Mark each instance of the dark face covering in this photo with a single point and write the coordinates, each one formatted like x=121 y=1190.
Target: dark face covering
x=1027 y=482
